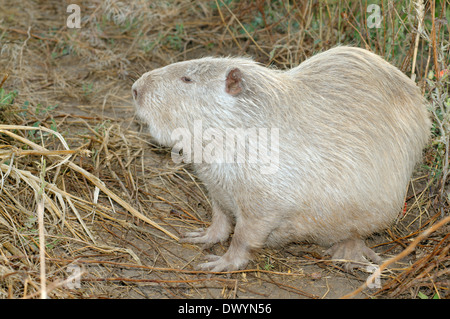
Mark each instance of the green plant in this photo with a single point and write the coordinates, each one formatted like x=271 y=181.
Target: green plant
x=7 y=98
x=88 y=88
x=421 y=295
x=268 y=265
x=175 y=40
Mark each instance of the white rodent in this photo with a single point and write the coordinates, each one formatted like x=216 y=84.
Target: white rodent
x=351 y=128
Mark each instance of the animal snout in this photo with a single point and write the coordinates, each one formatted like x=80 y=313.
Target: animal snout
x=139 y=88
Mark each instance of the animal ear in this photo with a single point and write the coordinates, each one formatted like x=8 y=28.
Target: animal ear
x=233 y=82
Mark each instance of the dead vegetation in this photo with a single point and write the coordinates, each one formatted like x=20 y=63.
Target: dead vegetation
x=79 y=175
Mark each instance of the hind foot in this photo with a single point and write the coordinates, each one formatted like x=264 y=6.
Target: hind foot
x=353 y=253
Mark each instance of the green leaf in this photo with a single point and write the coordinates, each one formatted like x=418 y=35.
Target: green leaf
x=421 y=295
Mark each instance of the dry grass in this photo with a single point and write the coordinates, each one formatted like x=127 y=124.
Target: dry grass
x=79 y=175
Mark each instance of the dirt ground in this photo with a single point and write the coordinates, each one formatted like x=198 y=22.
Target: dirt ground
x=77 y=82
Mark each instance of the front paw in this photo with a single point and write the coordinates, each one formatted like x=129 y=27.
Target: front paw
x=200 y=236
x=224 y=263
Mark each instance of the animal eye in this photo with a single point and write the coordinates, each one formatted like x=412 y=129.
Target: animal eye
x=186 y=79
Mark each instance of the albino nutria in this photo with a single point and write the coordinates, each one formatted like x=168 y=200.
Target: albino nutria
x=344 y=131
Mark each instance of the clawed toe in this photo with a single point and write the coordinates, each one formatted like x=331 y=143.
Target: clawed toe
x=190 y=237
x=222 y=264
x=212 y=257
x=199 y=236
x=207 y=237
